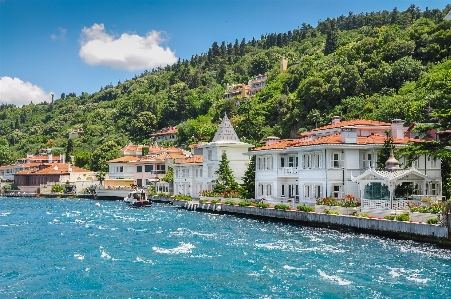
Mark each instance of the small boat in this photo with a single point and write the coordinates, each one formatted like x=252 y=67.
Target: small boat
x=138 y=199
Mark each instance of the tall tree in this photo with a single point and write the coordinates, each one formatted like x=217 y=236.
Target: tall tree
x=225 y=181
x=249 y=180
x=331 y=39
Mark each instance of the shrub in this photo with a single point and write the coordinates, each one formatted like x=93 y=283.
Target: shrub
x=432 y=221
x=215 y=201
x=434 y=208
x=347 y=201
x=281 y=207
x=182 y=197
x=244 y=203
x=203 y=200
x=390 y=217
x=57 y=188
x=305 y=208
x=230 y=203
x=365 y=215
x=262 y=205
x=403 y=217
x=330 y=212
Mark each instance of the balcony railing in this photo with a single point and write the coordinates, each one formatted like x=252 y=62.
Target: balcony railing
x=287 y=170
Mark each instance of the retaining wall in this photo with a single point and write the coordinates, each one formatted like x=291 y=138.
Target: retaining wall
x=390 y=227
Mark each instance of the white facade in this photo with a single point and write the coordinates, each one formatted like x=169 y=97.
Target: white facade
x=196 y=174
x=324 y=162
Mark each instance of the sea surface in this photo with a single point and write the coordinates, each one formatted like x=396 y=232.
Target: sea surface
x=80 y=248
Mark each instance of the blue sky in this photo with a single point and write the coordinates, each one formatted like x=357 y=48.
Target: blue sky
x=56 y=46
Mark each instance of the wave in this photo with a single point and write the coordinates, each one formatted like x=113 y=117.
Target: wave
x=183 y=248
x=79 y=256
x=334 y=278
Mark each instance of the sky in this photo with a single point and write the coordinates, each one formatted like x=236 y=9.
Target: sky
x=63 y=46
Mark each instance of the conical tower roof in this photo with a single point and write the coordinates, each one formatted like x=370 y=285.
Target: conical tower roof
x=226 y=132
x=392 y=164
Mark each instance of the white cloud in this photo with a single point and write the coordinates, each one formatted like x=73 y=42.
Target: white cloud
x=129 y=51
x=15 y=91
x=62 y=34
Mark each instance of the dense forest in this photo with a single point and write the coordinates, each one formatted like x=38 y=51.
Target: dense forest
x=379 y=65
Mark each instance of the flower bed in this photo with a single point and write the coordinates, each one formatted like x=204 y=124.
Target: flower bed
x=348 y=201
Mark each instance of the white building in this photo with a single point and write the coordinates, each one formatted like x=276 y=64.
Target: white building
x=195 y=174
x=326 y=161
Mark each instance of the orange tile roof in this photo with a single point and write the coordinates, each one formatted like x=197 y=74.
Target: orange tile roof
x=61 y=168
x=40 y=158
x=354 y=122
x=334 y=139
x=124 y=159
x=165 y=131
x=194 y=159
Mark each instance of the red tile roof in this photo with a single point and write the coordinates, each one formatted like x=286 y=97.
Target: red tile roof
x=124 y=159
x=334 y=139
x=194 y=159
x=354 y=122
x=53 y=168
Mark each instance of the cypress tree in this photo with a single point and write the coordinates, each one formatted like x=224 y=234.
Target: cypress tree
x=225 y=181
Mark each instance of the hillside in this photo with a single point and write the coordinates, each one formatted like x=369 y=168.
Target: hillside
x=378 y=65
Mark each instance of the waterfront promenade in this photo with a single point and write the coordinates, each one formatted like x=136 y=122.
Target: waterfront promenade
x=400 y=229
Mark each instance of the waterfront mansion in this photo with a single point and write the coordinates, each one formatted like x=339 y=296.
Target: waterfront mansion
x=340 y=159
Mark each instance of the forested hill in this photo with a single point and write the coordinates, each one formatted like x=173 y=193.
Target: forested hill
x=378 y=65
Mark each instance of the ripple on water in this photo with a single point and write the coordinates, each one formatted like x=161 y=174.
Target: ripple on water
x=75 y=247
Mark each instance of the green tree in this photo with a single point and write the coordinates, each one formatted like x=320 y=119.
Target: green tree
x=259 y=64
x=57 y=188
x=225 y=181
x=101 y=176
x=331 y=39
x=6 y=157
x=143 y=125
x=107 y=151
x=169 y=176
x=249 y=180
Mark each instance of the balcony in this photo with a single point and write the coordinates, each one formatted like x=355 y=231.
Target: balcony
x=287 y=171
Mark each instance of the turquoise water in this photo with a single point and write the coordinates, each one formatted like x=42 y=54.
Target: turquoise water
x=73 y=248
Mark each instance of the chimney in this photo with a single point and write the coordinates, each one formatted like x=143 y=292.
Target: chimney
x=50 y=158
x=271 y=140
x=69 y=169
x=335 y=119
x=349 y=134
x=63 y=158
x=397 y=128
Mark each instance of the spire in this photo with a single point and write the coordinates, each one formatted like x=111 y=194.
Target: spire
x=392 y=164
x=225 y=131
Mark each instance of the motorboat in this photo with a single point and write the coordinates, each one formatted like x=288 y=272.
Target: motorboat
x=137 y=199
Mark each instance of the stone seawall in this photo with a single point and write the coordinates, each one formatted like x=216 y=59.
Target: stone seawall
x=413 y=230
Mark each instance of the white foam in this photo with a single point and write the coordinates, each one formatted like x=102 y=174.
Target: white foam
x=79 y=256
x=5 y=214
x=334 y=278
x=183 y=248
x=140 y=259
x=104 y=254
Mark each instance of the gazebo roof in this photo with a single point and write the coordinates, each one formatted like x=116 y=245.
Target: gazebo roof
x=389 y=176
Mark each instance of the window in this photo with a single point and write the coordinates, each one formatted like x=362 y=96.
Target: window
x=264 y=163
x=209 y=152
x=139 y=169
x=283 y=191
x=307 y=190
x=318 y=191
x=335 y=161
x=139 y=182
x=121 y=169
x=210 y=171
x=336 y=191
x=282 y=162
x=433 y=162
x=148 y=168
x=433 y=189
x=367 y=160
x=264 y=189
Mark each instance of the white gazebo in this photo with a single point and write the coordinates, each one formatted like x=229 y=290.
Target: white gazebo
x=377 y=187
